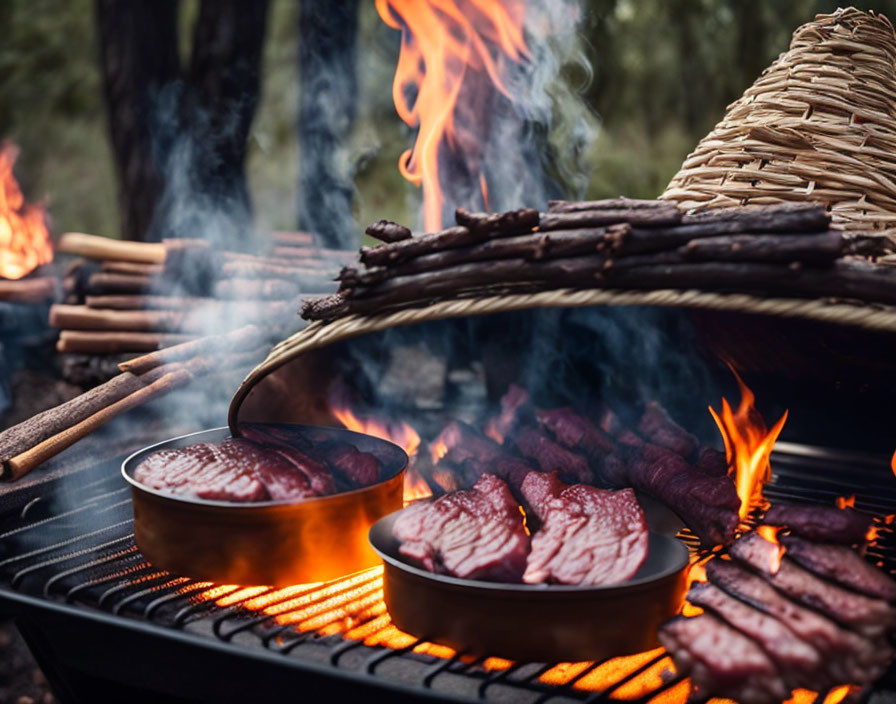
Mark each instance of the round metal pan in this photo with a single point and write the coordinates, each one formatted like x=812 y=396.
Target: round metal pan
x=534 y=623
x=275 y=543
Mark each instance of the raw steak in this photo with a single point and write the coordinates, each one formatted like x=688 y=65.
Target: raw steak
x=588 y=536
x=473 y=534
x=286 y=443
x=232 y=470
x=722 y=662
x=872 y=617
x=534 y=444
x=841 y=564
x=798 y=661
x=848 y=657
x=575 y=432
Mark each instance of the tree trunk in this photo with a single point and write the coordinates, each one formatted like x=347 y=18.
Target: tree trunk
x=138 y=59
x=327 y=98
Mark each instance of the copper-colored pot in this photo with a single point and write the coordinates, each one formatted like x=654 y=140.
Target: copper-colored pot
x=534 y=623
x=275 y=543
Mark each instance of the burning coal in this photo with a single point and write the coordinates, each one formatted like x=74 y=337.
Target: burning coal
x=24 y=239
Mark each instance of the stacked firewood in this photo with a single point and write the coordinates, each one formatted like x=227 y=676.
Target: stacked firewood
x=131 y=297
x=619 y=243
x=40 y=286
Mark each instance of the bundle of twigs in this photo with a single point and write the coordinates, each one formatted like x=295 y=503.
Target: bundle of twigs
x=620 y=243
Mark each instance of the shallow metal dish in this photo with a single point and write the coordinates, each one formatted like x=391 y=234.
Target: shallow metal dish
x=534 y=623
x=275 y=543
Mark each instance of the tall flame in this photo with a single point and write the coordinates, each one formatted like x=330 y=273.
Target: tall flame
x=24 y=240
x=403 y=435
x=748 y=446
x=893 y=462
x=443 y=42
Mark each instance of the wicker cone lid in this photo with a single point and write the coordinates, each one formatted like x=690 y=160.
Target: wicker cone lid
x=818 y=124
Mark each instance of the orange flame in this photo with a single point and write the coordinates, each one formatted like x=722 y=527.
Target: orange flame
x=403 y=435
x=24 y=239
x=748 y=446
x=442 y=42
x=893 y=462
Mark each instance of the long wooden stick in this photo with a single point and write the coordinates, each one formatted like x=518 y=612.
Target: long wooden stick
x=115 y=342
x=31 y=290
x=96 y=247
x=19 y=465
x=240 y=340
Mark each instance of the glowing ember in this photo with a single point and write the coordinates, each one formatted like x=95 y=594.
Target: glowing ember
x=838 y=694
x=24 y=240
x=444 y=43
x=893 y=462
x=845 y=501
x=748 y=446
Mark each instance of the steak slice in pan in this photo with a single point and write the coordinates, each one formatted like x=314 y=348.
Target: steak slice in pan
x=477 y=533
x=588 y=536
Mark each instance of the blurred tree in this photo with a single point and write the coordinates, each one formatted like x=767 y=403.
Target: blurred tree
x=179 y=137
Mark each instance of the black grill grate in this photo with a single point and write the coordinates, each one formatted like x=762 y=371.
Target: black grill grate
x=74 y=547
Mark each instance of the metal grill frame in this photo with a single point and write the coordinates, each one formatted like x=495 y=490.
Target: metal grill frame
x=191 y=644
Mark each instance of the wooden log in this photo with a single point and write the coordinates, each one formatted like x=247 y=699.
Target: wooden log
x=74 y=317
x=293 y=239
x=395 y=252
x=116 y=342
x=240 y=340
x=109 y=282
x=324 y=307
x=801 y=216
x=388 y=231
x=96 y=247
x=22 y=463
x=572 y=206
x=532 y=247
x=814 y=248
x=29 y=290
x=138 y=302
x=513 y=222
x=313 y=255
x=138 y=268
x=262 y=289
x=262 y=269
x=644 y=217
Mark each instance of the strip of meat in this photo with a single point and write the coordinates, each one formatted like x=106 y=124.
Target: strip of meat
x=285 y=443
x=534 y=444
x=658 y=428
x=712 y=462
x=515 y=410
x=798 y=661
x=721 y=661
x=588 y=536
x=840 y=564
x=472 y=534
x=707 y=504
x=871 y=617
x=232 y=470
x=825 y=524
x=349 y=464
x=472 y=455
x=539 y=488
x=575 y=432
x=849 y=657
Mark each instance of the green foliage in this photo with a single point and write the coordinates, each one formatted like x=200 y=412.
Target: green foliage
x=664 y=70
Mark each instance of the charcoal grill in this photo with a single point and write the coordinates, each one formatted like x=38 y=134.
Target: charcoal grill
x=99 y=618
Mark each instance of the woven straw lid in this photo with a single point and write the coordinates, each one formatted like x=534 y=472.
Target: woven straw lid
x=818 y=124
